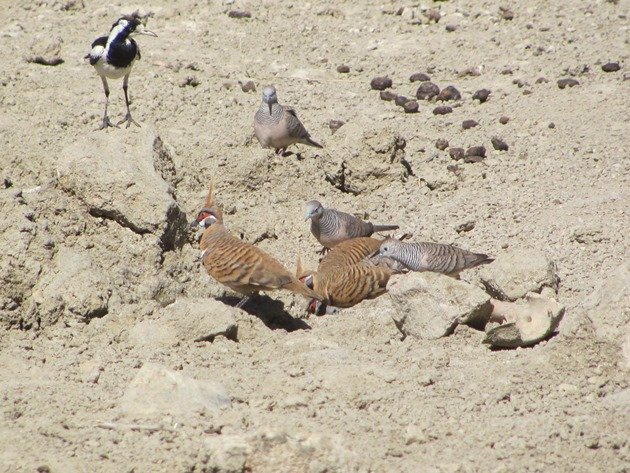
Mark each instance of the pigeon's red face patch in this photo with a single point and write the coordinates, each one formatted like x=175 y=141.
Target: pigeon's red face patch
x=312 y=306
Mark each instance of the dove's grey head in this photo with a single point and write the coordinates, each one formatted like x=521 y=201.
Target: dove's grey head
x=389 y=247
x=269 y=96
x=313 y=209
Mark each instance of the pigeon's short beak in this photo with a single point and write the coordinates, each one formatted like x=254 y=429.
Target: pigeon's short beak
x=141 y=30
x=269 y=108
x=194 y=223
x=308 y=217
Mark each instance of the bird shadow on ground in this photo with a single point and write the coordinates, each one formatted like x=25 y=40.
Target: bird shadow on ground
x=270 y=311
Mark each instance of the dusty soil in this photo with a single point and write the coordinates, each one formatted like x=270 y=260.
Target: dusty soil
x=83 y=273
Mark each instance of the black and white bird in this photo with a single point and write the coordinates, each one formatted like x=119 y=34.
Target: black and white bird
x=113 y=56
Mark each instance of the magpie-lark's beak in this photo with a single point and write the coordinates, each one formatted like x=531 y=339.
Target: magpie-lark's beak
x=141 y=30
x=269 y=107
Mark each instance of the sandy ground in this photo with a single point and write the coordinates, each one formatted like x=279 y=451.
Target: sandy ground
x=335 y=393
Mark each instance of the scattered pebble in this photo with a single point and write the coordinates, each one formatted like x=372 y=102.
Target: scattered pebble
x=481 y=95
x=473 y=158
x=401 y=100
x=451 y=28
x=248 y=86
x=388 y=96
x=189 y=81
x=442 y=144
x=503 y=120
x=411 y=106
x=45 y=61
x=499 y=144
x=456 y=153
x=427 y=90
x=467 y=124
x=381 y=83
x=449 y=93
x=611 y=67
x=465 y=227
x=433 y=14
x=419 y=77
x=552 y=125
x=239 y=14
x=519 y=82
x=334 y=125
x=343 y=69
x=542 y=80
x=471 y=71
x=442 y=110
x=527 y=92
x=474 y=154
x=506 y=14
x=568 y=82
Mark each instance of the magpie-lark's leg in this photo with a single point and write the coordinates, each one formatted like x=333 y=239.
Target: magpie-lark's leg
x=127 y=118
x=106 y=123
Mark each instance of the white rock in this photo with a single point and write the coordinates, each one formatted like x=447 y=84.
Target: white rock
x=430 y=305
x=121 y=176
x=199 y=319
x=527 y=321
x=74 y=289
x=515 y=273
x=157 y=391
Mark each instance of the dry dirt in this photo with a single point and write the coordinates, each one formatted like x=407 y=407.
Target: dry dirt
x=95 y=248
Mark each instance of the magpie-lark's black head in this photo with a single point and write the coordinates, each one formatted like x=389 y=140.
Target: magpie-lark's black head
x=127 y=25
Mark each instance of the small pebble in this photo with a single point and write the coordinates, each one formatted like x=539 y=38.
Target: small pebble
x=467 y=124
x=568 y=82
x=239 y=14
x=552 y=125
x=388 y=96
x=505 y=13
x=454 y=168
x=442 y=144
x=475 y=158
x=427 y=90
x=503 y=120
x=381 y=83
x=343 y=69
x=456 y=153
x=442 y=110
x=450 y=28
x=189 y=81
x=518 y=82
x=419 y=77
x=401 y=100
x=611 y=67
x=334 y=125
x=433 y=14
x=449 y=93
x=542 y=80
x=248 y=86
x=527 y=92
x=411 y=106
x=476 y=151
x=481 y=95
x=499 y=144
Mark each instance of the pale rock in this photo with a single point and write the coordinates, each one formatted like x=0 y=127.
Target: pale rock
x=152 y=333
x=156 y=392
x=526 y=322
x=608 y=309
x=127 y=178
x=198 y=319
x=227 y=453
x=515 y=273
x=74 y=289
x=430 y=305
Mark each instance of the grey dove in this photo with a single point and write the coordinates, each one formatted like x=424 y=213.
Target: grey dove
x=436 y=257
x=331 y=226
x=277 y=126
